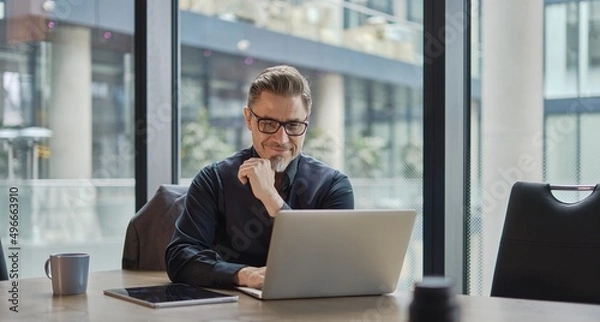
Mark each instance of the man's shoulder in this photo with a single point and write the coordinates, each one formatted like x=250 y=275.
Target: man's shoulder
x=311 y=161
x=235 y=160
x=232 y=162
x=313 y=165
x=226 y=165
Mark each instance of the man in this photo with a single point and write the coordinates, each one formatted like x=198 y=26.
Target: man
x=222 y=237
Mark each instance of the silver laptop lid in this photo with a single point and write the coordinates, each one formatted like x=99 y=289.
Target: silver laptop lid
x=324 y=253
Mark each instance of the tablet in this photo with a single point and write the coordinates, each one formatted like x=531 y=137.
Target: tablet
x=177 y=294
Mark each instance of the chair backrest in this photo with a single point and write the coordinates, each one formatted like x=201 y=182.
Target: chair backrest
x=151 y=229
x=3 y=268
x=549 y=250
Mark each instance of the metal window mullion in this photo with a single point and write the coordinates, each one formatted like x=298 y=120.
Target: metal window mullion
x=153 y=96
x=458 y=98
x=433 y=136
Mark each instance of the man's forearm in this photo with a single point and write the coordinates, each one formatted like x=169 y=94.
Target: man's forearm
x=273 y=203
x=206 y=272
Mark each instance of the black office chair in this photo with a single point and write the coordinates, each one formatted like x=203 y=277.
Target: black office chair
x=549 y=250
x=3 y=269
x=151 y=229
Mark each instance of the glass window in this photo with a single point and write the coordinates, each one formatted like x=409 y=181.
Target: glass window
x=589 y=154
x=594 y=35
x=561 y=49
x=572 y=49
x=572 y=34
x=66 y=128
x=589 y=51
x=363 y=122
x=521 y=133
x=560 y=148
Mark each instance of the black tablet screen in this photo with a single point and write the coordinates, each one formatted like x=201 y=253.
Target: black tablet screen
x=169 y=293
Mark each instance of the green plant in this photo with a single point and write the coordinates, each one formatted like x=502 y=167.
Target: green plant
x=364 y=157
x=202 y=144
x=320 y=145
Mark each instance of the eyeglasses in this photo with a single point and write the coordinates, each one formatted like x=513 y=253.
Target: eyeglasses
x=270 y=126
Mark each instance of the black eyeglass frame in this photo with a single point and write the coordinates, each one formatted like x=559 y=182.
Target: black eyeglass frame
x=280 y=124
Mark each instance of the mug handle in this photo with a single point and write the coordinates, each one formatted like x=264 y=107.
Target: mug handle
x=47 y=268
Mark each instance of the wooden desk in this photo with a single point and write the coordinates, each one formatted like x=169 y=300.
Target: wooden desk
x=36 y=303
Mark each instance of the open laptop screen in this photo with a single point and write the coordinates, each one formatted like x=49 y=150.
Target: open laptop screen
x=324 y=253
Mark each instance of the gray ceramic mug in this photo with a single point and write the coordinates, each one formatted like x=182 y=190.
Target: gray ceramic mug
x=68 y=272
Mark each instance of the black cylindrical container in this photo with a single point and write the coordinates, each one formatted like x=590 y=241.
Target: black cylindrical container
x=434 y=301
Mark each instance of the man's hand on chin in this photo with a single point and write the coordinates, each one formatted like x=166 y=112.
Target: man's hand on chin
x=260 y=175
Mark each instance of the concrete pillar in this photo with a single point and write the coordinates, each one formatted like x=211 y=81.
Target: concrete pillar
x=512 y=111
x=328 y=115
x=70 y=110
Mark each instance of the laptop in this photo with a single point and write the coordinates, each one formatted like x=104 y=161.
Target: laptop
x=331 y=253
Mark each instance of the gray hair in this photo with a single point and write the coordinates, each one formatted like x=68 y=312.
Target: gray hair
x=281 y=80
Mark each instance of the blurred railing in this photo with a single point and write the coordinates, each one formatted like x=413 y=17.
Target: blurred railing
x=387 y=193
x=67 y=211
x=398 y=193
x=92 y=215
x=67 y=216
x=378 y=34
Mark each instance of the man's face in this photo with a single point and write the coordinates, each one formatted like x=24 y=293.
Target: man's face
x=279 y=147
